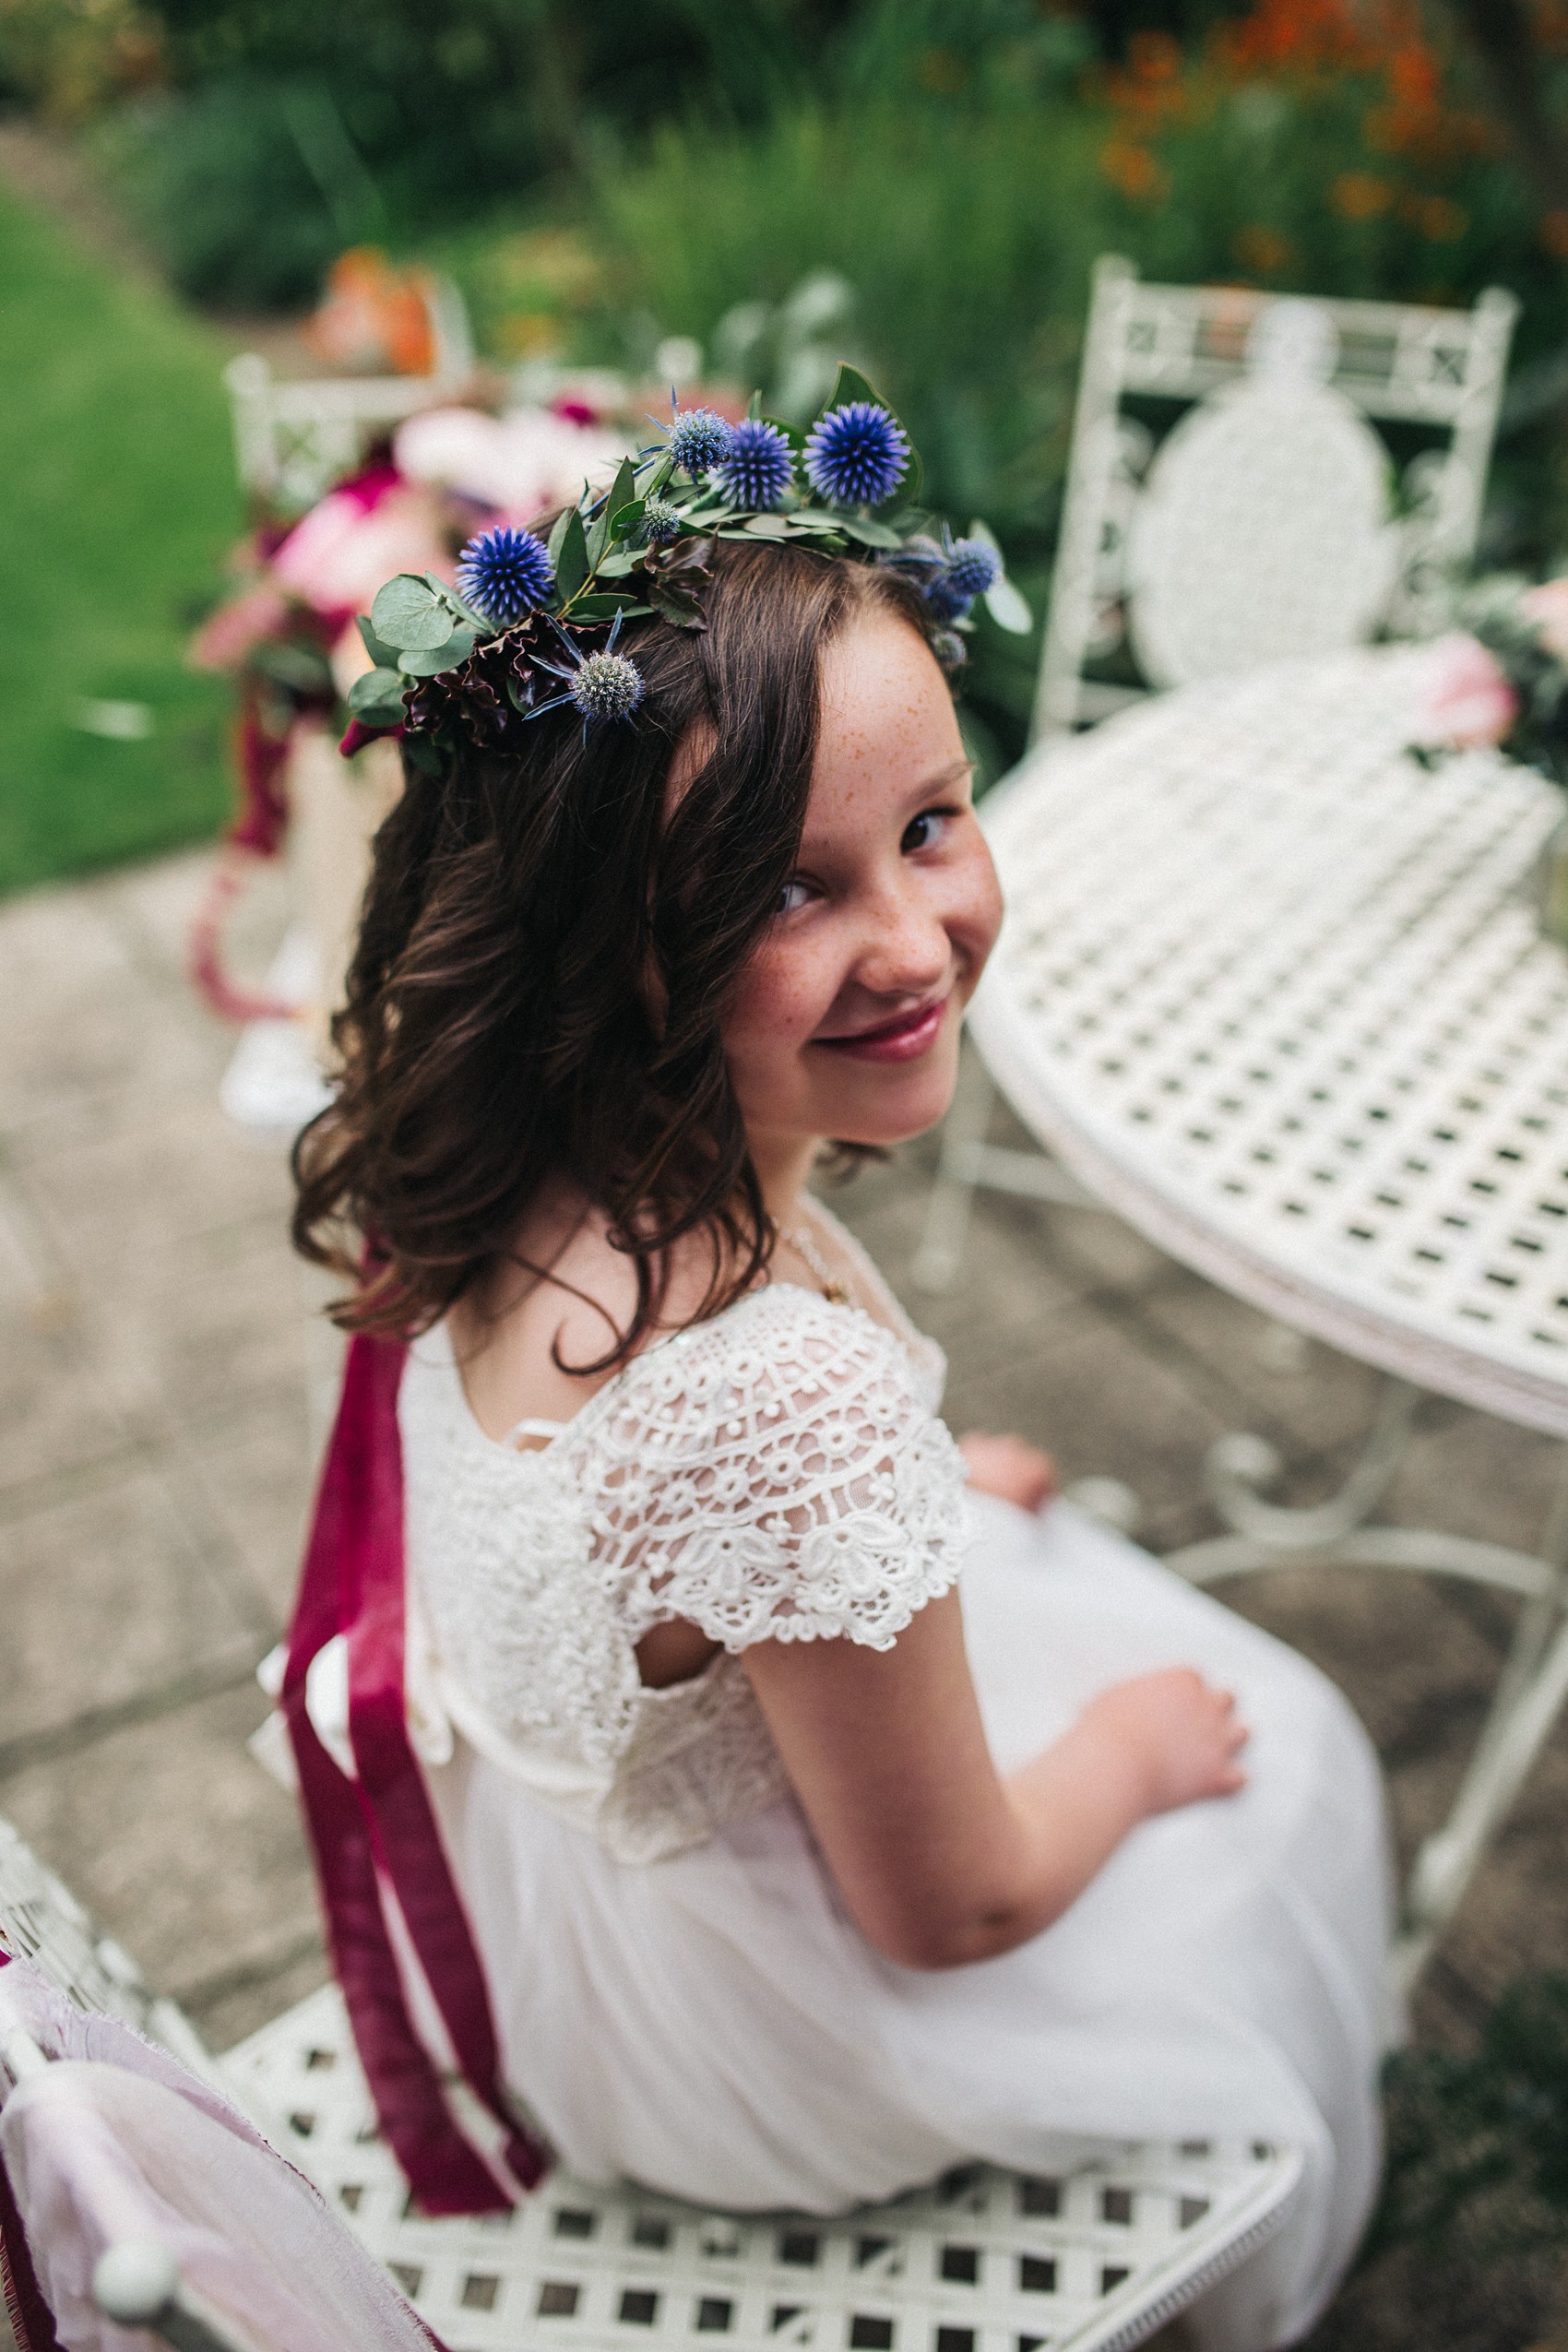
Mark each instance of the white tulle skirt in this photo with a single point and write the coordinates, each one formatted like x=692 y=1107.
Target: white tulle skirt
x=714 y=2026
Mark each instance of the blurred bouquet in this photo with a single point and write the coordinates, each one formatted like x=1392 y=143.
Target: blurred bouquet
x=1501 y=678
x=286 y=634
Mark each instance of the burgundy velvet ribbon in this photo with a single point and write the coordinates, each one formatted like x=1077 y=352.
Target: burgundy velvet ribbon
x=383 y=1826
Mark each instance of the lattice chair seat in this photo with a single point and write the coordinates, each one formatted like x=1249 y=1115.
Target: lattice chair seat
x=1092 y=2257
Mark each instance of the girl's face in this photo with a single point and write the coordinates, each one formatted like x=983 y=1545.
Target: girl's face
x=846 y=1019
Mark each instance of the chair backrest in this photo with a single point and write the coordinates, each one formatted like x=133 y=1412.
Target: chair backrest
x=293 y=440
x=1258 y=526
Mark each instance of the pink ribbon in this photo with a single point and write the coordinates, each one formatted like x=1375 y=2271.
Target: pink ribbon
x=383 y=1826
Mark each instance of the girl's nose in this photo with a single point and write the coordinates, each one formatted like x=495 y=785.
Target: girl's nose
x=907 y=951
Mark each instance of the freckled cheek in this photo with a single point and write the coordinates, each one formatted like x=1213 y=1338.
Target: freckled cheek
x=973 y=912
x=783 y=998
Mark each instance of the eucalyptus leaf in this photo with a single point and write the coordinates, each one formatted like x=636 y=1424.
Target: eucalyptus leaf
x=767 y=526
x=457 y=605
x=408 y=614
x=377 y=697
x=626 y=519
x=597 y=539
x=572 y=557
x=557 y=535
x=431 y=662
x=424 y=755
x=1009 y=608
x=617 y=565
x=384 y=655
x=868 y=532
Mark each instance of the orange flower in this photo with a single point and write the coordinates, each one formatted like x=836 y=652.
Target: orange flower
x=1437 y=218
x=1262 y=251
x=1360 y=195
x=1154 y=58
x=1554 y=234
x=1133 y=169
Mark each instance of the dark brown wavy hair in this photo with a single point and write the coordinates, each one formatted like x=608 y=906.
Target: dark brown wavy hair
x=526 y=912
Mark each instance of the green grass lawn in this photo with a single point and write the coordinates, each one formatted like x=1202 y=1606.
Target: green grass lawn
x=117 y=501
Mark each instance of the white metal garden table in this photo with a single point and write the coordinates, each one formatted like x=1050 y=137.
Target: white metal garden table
x=1276 y=993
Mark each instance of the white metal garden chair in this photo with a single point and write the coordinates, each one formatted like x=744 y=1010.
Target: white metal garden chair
x=293 y=440
x=1258 y=526
x=1091 y=2257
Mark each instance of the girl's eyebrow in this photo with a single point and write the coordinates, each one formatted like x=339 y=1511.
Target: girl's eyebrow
x=948 y=774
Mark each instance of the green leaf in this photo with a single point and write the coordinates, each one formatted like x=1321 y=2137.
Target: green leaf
x=408 y=613
x=623 y=490
x=571 y=557
x=617 y=563
x=384 y=655
x=868 y=533
x=465 y=611
x=598 y=608
x=849 y=385
x=430 y=661
x=627 y=519
x=424 y=757
x=767 y=526
x=754 y=407
x=1007 y=607
x=377 y=697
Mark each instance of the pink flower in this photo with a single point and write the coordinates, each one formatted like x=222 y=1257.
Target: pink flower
x=236 y=628
x=340 y=555
x=1546 y=606
x=1468 y=703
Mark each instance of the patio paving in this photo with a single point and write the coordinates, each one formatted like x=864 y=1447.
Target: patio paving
x=158 y=1352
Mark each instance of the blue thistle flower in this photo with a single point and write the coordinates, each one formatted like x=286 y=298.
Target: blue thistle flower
x=660 y=523
x=607 y=686
x=506 y=572
x=600 y=685
x=759 y=467
x=856 y=456
x=973 y=565
x=699 y=439
x=946 y=600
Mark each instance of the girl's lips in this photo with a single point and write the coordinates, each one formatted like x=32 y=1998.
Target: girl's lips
x=904 y=1040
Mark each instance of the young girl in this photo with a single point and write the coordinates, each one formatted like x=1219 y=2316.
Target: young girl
x=824 y=1812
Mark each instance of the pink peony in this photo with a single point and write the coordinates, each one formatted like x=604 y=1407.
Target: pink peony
x=1546 y=606
x=340 y=555
x=1469 y=704
x=236 y=629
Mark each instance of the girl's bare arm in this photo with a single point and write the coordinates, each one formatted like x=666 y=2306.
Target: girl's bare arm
x=940 y=1860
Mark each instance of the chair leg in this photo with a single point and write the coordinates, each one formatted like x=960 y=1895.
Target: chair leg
x=948 y=1218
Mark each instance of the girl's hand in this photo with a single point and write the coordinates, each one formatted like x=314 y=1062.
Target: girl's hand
x=1008 y=1467
x=1180 y=1736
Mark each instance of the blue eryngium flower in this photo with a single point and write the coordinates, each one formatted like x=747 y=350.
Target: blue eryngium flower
x=856 y=456
x=660 y=523
x=973 y=566
x=699 y=439
x=759 y=468
x=506 y=572
x=600 y=685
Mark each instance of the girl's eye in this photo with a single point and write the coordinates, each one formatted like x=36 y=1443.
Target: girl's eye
x=924 y=830
x=794 y=895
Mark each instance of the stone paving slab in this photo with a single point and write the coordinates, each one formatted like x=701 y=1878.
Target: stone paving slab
x=156 y=1364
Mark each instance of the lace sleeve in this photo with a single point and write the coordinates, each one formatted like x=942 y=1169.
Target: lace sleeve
x=772 y=1475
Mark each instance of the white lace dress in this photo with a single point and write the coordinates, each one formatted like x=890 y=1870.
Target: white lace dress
x=681 y=1996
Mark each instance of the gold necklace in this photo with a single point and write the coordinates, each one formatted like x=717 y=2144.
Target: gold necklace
x=834 y=1289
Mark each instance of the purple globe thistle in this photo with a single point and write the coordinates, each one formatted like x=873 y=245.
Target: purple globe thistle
x=944 y=598
x=973 y=565
x=699 y=439
x=759 y=468
x=506 y=572
x=660 y=523
x=857 y=455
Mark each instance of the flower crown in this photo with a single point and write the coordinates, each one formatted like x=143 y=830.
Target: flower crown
x=535 y=624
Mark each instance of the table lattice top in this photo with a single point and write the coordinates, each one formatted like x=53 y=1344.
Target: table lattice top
x=1277 y=993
